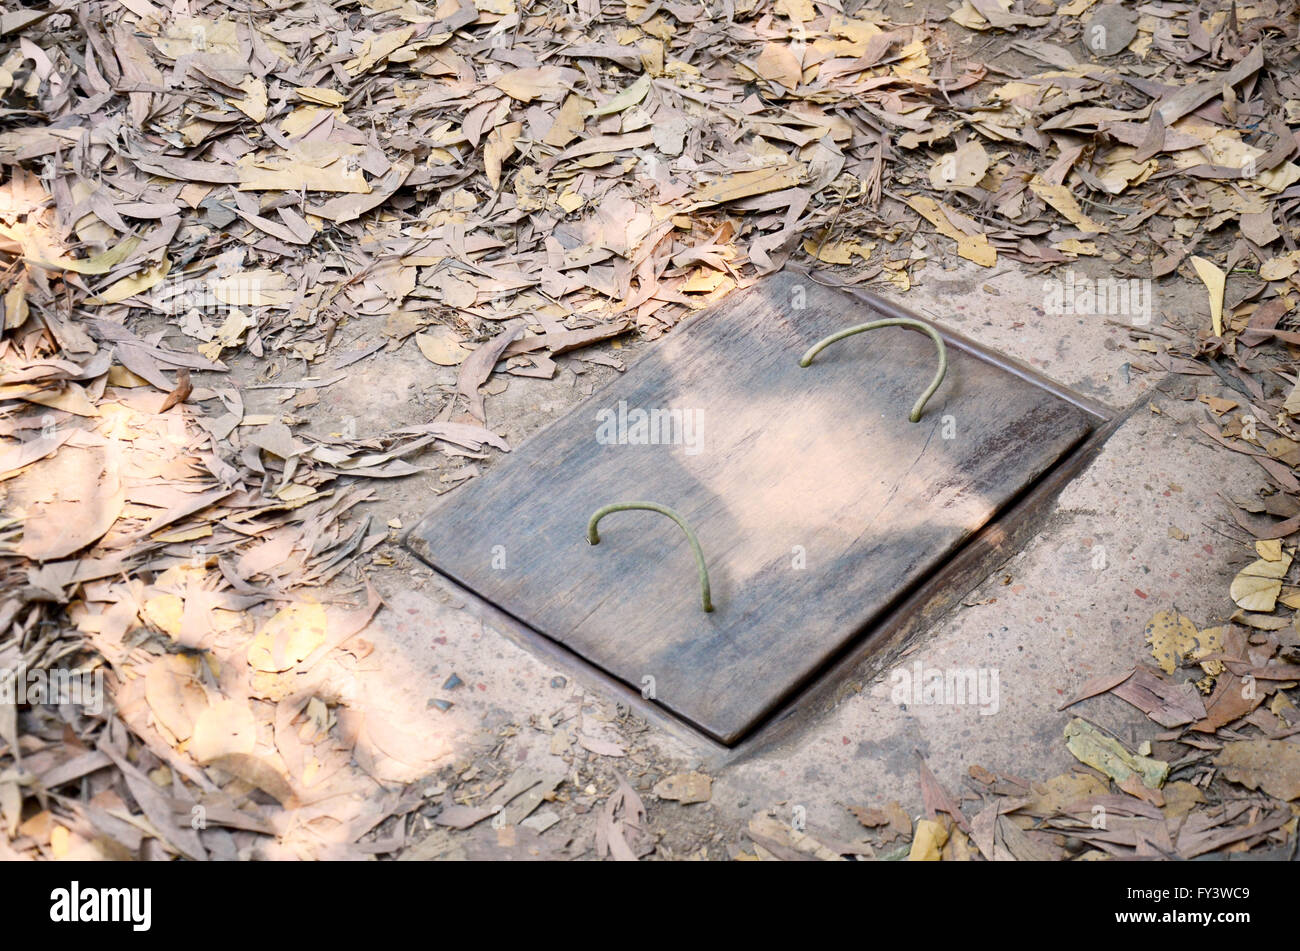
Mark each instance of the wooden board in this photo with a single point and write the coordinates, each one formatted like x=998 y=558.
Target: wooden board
x=816 y=502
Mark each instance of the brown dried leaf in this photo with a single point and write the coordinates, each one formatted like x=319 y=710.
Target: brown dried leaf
x=1269 y=765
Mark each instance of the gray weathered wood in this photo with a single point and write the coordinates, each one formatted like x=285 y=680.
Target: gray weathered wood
x=816 y=502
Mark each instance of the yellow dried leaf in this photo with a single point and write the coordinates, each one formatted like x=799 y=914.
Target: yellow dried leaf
x=295 y=492
x=928 y=841
x=959 y=847
x=1106 y=755
x=838 y=252
x=569 y=121
x=376 y=49
x=1171 y=636
x=897 y=276
x=977 y=248
x=310 y=166
x=100 y=263
x=321 y=96
x=254 y=101
x=60 y=841
x=1059 y=197
x=1280 y=268
x=164 y=612
x=190 y=35
x=1121 y=173
x=932 y=211
x=1208 y=641
x=1058 y=793
x=1280 y=704
x=225 y=727
x=1257 y=586
x=856 y=31
x=801 y=11
x=71 y=398
x=288 y=638
x=970 y=245
x=744 y=184
x=1214 y=280
x=133 y=284
x=912 y=62
x=525 y=85
x=185 y=535
x=1270 y=549
x=1075 y=246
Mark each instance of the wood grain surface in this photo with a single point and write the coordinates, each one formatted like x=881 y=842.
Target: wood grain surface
x=816 y=502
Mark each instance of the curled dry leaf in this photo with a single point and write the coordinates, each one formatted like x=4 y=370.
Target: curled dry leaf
x=182 y=392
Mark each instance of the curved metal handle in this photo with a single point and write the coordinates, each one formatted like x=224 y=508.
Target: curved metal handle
x=915 y=415
x=593 y=537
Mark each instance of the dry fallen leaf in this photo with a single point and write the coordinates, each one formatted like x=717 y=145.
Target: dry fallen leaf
x=500 y=146
x=1257 y=586
x=1272 y=766
x=928 y=841
x=1214 y=280
x=1060 y=198
x=1171 y=636
x=778 y=63
x=175 y=694
x=970 y=245
x=1106 y=755
x=182 y=392
x=441 y=345
x=226 y=727
x=288 y=638
x=620 y=830
x=70 y=500
x=960 y=169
